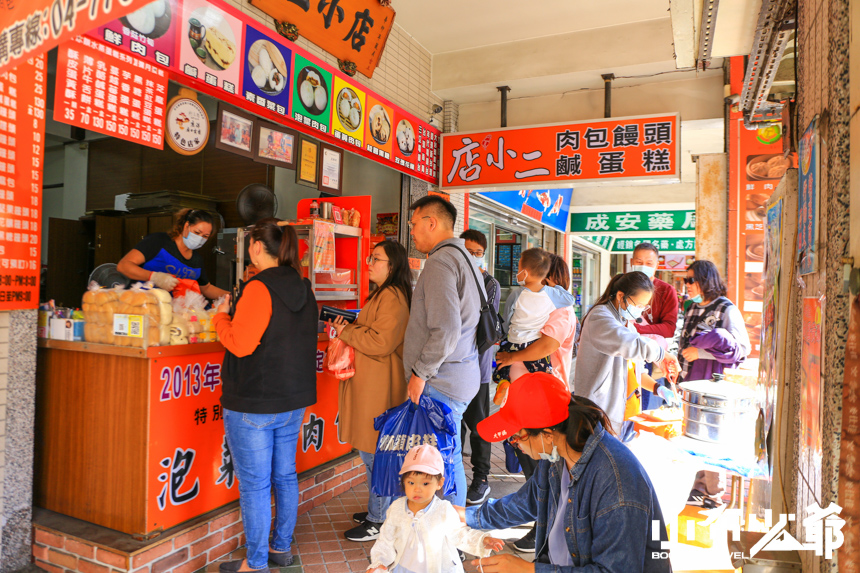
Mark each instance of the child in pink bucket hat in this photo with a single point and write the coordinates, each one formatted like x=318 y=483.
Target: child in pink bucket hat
x=422 y=532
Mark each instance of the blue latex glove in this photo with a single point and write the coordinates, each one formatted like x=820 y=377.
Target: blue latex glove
x=627 y=432
x=669 y=396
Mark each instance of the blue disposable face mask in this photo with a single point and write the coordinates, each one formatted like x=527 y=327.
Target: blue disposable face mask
x=550 y=457
x=697 y=298
x=633 y=312
x=193 y=241
x=647 y=271
x=480 y=262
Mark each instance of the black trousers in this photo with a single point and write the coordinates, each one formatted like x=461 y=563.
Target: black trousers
x=479 y=408
x=527 y=463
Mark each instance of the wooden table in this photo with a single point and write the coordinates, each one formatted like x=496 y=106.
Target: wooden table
x=133 y=439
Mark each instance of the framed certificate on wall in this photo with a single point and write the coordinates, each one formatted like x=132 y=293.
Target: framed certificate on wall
x=331 y=170
x=307 y=172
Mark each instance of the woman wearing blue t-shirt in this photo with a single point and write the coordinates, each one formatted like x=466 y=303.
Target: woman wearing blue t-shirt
x=163 y=258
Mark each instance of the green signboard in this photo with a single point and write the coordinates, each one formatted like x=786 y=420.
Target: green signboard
x=632 y=221
x=604 y=242
x=665 y=244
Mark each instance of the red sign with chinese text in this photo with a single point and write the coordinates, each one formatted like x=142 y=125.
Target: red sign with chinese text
x=190 y=469
x=103 y=89
x=642 y=148
x=31 y=27
x=22 y=133
x=756 y=165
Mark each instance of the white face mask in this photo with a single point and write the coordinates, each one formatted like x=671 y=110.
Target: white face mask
x=550 y=457
x=522 y=282
x=193 y=241
x=647 y=271
x=480 y=262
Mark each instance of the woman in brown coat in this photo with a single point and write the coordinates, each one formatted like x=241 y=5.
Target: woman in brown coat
x=379 y=383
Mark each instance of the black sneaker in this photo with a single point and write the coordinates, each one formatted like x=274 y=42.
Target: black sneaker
x=462 y=556
x=699 y=499
x=367 y=531
x=526 y=544
x=478 y=492
x=359 y=517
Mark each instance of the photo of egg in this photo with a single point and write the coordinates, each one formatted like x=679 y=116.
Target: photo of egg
x=268 y=67
x=313 y=90
x=151 y=20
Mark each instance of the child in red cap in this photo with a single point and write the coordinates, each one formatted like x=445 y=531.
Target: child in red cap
x=422 y=532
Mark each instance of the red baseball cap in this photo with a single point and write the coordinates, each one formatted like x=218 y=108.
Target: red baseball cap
x=536 y=400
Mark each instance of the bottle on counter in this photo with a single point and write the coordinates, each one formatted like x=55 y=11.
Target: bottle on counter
x=315 y=209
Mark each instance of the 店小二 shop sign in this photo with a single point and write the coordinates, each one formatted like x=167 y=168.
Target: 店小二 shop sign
x=647 y=221
x=611 y=151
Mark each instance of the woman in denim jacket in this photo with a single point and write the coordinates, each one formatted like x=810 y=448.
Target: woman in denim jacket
x=592 y=503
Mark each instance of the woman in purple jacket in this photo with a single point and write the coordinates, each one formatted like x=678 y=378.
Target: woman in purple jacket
x=714 y=338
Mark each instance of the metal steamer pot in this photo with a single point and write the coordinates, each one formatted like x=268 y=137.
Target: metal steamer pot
x=717 y=411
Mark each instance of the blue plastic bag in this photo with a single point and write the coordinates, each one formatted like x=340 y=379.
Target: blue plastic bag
x=512 y=463
x=403 y=427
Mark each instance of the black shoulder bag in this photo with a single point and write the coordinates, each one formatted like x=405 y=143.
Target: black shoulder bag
x=489 y=322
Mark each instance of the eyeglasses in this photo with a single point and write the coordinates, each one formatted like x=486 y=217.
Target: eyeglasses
x=412 y=225
x=689 y=280
x=645 y=308
x=515 y=440
x=479 y=254
x=371 y=260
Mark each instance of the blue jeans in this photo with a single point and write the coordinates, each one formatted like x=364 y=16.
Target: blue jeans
x=376 y=506
x=263 y=447
x=457 y=408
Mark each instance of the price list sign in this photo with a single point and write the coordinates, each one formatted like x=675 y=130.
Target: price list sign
x=428 y=151
x=109 y=91
x=22 y=133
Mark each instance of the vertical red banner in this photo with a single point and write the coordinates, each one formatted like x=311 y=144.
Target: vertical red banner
x=22 y=148
x=756 y=166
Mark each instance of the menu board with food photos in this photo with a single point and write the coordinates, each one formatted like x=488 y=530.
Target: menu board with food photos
x=378 y=136
x=348 y=113
x=266 y=79
x=312 y=85
x=757 y=163
x=212 y=47
x=149 y=32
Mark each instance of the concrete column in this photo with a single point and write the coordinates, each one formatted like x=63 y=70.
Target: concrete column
x=712 y=209
x=17 y=412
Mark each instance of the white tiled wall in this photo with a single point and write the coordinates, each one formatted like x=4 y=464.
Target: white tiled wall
x=403 y=74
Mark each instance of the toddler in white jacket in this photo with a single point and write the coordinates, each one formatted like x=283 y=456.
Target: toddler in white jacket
x=422 y=532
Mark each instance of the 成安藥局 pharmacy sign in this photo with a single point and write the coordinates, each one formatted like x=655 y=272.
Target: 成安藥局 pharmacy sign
x=632 y=221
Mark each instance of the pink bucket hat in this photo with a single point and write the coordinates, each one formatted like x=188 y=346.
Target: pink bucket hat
x=425 y=459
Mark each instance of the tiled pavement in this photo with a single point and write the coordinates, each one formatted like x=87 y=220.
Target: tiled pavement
x=319 y=545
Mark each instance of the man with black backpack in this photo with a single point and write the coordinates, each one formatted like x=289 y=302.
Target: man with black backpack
x=479 y=407
x=440 y=351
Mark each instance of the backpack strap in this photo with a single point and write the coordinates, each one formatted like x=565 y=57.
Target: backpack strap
x=474 y=275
